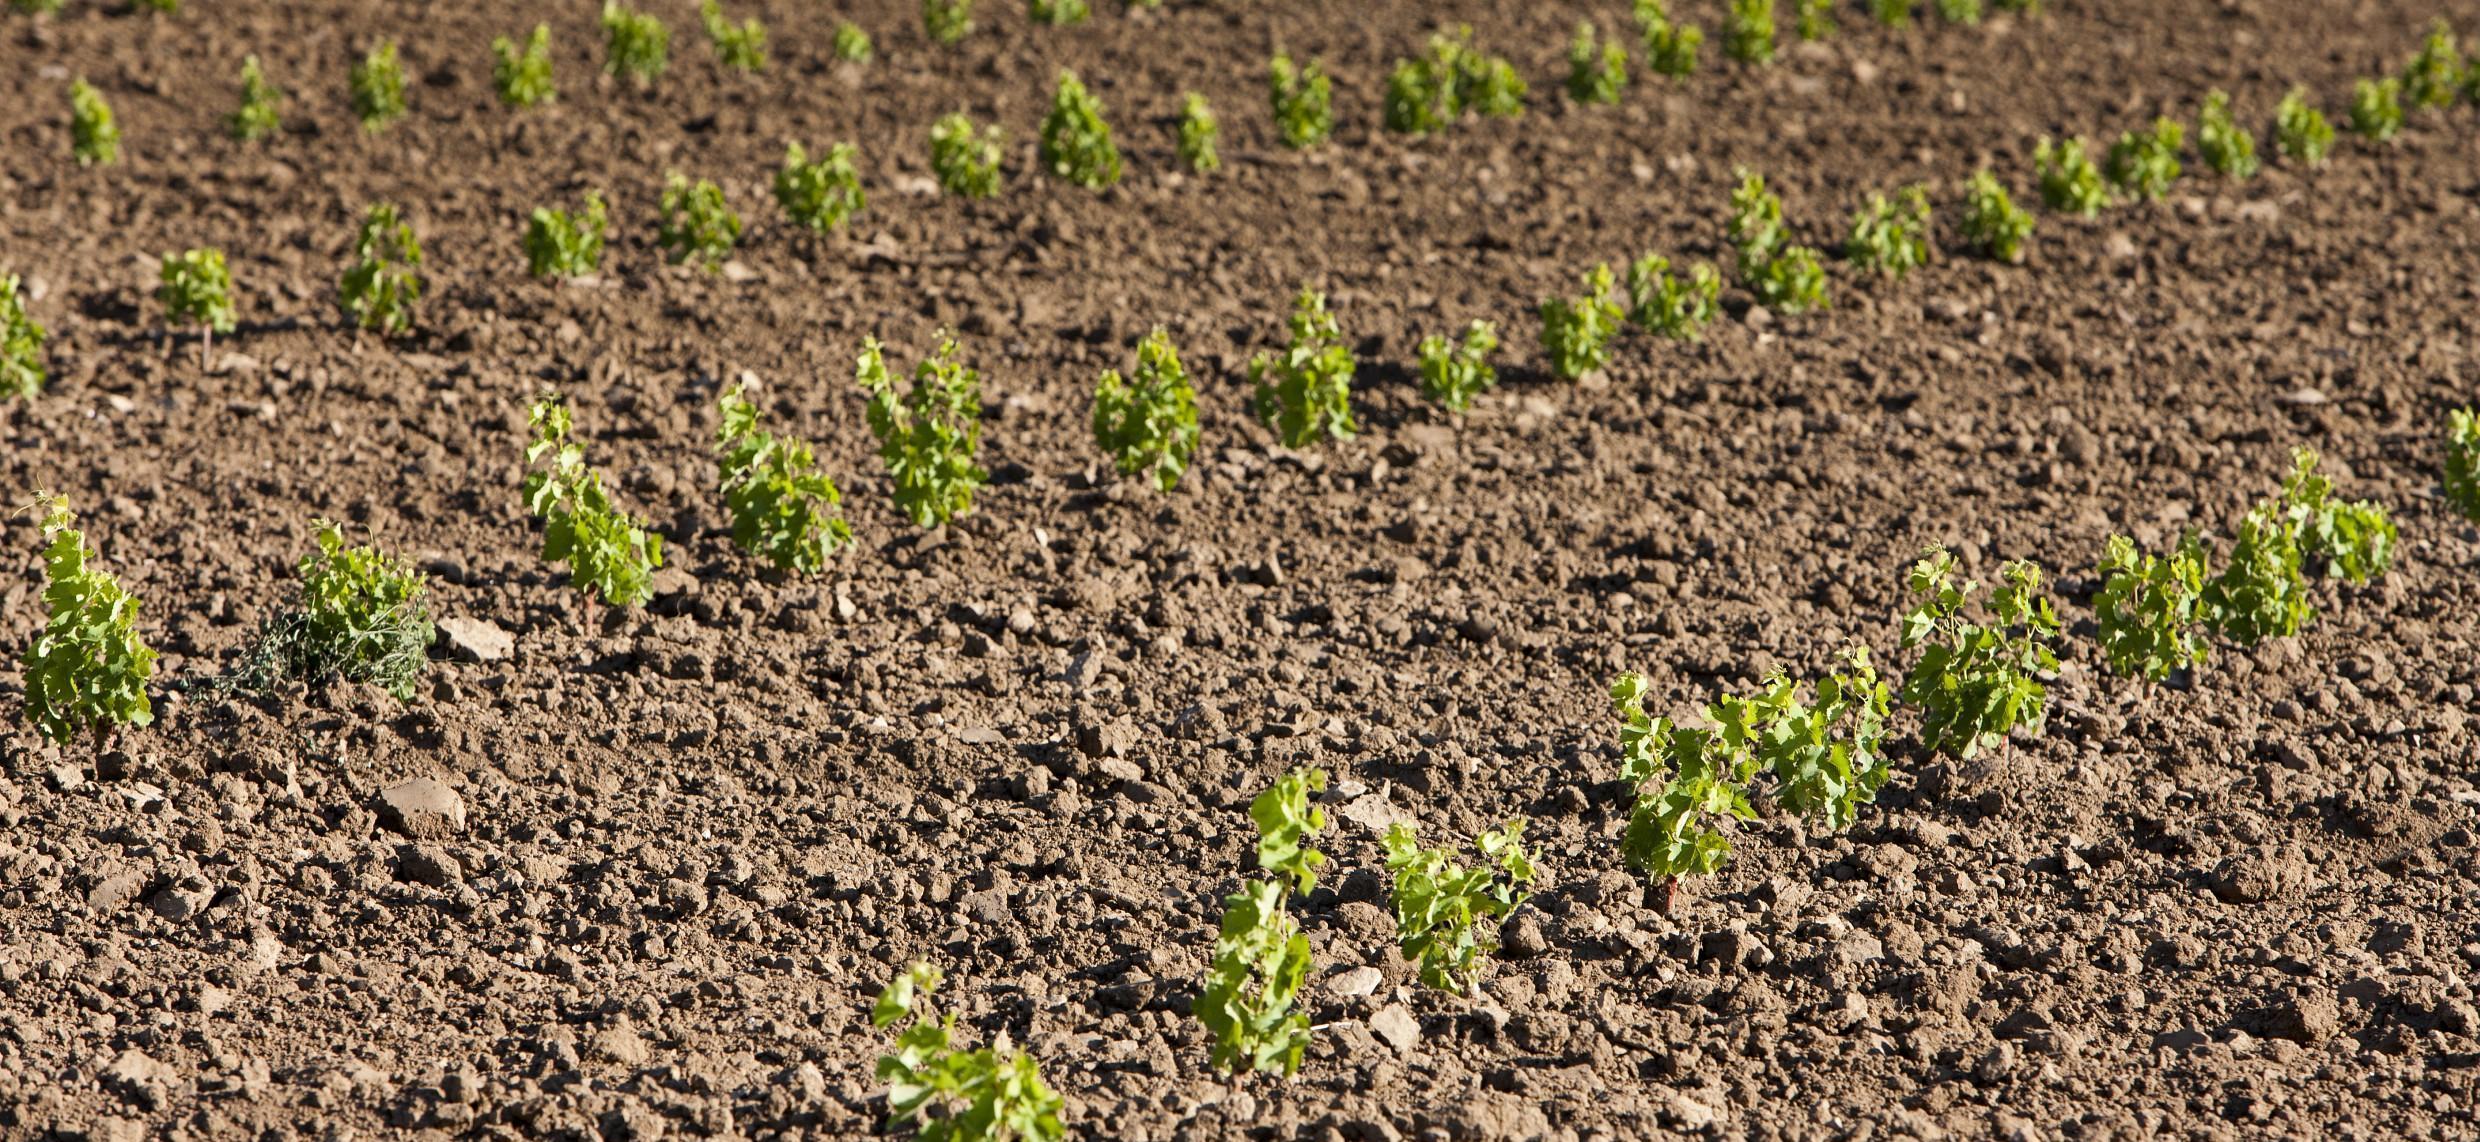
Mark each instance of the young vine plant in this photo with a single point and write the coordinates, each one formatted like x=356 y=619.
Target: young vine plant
x=377 y=87
x=382 y=287
x=1076 y=142
x=738 y=47
x=522 y=76
x=1992 y=222
x=1305 y=392
x=994 y=1094
x=2229 y=149
x=1303 y=100
x=88 y=668
x=2150 y=610
x=566 y=244
x=696 y=222
x=783 y=507
x=966 y=162
x=1148 y=427
x=360 y=616
x=2462 y=467
x=1671 y=305
x=637 y=46
x=1200 y=135
x=1249 y=1002
x=1891 y=238
x=94 y=134
x=1445 y=911
x=928 y=434
x=196 y=289
x=23 y=372
x=1596 y=72
x=2070 y=183
x=610 y=555
x=819 y=194
x=260 y=114
x=1977 y=682
x=2300 y=131
x=1454 y=372
x=1575 y=333
x=2143 y=165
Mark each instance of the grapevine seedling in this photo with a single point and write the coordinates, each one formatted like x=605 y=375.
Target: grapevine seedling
x=2462 y=475
x=1250 y=999
x=1595 y=74
x=822 y=194
x=2228 y=148
x=739 y=47
x=783 y=508
x=2148 y=608
x=2355 y=539
x=1285 y=820
x=2261 y=593
x=966 y=163
x=2300 y=131
x=929 y=434
x=1686 y=780
x=1426 y=95
x=2432 y=77
x=1303 y=100
x=2144 y=165
x=377 y=86
x=610 y=554
x=384 y=284
x=1786 y=277
x=87 y=669
x=257 y=117
x=1575 y=334
x=1441 y=907
x=359 y=617
x=1454 y=372
x=637 y=46
x=196 y=289
x=1828 y=759
x=1749 y=38
x=696 y=222
x=1675 y=307
x=1756 y=226
x=1670 y=48
x=1977 y=683
x=1890 y=239
x=1963 y=12
x=947 y=21
x=1148 y=427
x=1306 y=391
x=2070 y=183
x=1076 y=142
x=2376 y=109
x=1991 y=220
x=561 y=244
x=1057 y=13
x=22 y=371
x=852 y=45
x=1815 y=19
x=1892 y=13
x=995 y=1094
x=523 y=77
x=94 y=135
x=1199 y=135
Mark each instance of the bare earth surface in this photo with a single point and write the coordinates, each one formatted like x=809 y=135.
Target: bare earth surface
x=670 y=857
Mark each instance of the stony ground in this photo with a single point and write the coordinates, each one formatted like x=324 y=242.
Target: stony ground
x=638 y=875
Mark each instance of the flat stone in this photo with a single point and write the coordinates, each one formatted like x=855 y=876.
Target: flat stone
x=115 y=890
x=1395 y=1027
x=475 y=640
x=1356 y=982
x=424 y=808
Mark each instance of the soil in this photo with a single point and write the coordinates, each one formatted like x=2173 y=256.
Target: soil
x=652 y=866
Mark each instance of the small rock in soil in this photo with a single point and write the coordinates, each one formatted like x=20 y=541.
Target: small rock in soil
x=475 y=640
x=1395 y=1027
x=424 y=808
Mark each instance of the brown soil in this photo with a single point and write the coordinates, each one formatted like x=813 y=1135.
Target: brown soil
x=698 y=839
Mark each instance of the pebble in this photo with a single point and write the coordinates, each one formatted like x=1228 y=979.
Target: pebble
x=1355 y=982
x=1395 y=1026
x=475 y=640
x=423 y=808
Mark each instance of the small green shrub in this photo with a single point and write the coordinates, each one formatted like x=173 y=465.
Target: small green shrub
x=1575 y=334
x=561 y=244
x=1749 y=37
x=995 y=1094
x=1686 y=780
x=1756 y=227
x=1891 y=13
x=1303 y=100
x=2144 y=165
x=383 y=286
x=2376 y=109
x=377 y=85
x=966 y=163
x=1444 y=912
x=1306 y=392
x=947 y=21
x=196 y=289
x=1285 y=820
x=2070 y=183
x=1670 y=49
x=696 y=222
x=610 y=554
x=1977 y=683
x=739 y=47
x=1200 y=135
x=1815 y=18
x=1963 y=12
x=1454 y=372
x=1148 y=427
x=2300 y=131
x=2228 y=148
x=1789 y=278
x=1595 y=74
x=522 y=77
x=2433 y=76
x=94 y=135
x=1991 y=220
x=2149 y=609
x=22 y=371
x=783 y=508
x=1057 y=13
x=2261 y=593
x=1429 y=94
x=1675 y=307
x=2462 y=469
x=2355 y=539
x=1249 y=1001
x=1076 y=142
x=88 y=668
x=822 y=194
x=1888 y=238
x=359 y=617
x=929 y=434
x=257 y=117
x=1828 y=759
x=1793 y=281
x=637 y=46
x=852 y=45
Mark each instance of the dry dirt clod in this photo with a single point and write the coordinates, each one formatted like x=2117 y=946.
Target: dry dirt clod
x=424 y=808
